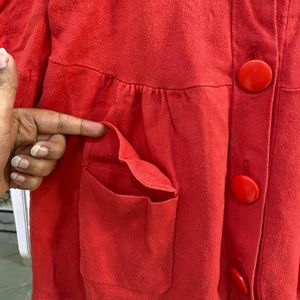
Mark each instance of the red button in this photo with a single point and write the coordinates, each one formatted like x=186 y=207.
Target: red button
x=255 y=75
x=238 y=280
x=244 y=189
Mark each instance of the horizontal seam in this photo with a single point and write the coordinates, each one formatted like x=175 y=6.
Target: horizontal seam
x=139 y=84
x=296 y=89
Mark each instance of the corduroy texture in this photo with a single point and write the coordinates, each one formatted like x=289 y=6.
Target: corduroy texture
x=146 y=212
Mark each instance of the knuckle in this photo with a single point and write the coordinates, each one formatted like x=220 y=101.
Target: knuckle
x=40 y=168
x=45 y=168
x=58 y=150
x=34 y=183
x=60 y=123
x=81 y=127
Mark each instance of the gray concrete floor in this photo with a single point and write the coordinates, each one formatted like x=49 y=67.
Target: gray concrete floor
x=15 y=274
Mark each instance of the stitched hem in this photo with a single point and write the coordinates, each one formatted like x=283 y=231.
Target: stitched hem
x=291 y=89
x=266 y=219
x=140 y=84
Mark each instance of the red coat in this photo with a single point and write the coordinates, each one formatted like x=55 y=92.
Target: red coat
x=194 y=191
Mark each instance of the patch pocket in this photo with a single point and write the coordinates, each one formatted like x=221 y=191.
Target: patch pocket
x=127 y=215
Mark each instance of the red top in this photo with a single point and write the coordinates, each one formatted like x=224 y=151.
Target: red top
x=148 y=211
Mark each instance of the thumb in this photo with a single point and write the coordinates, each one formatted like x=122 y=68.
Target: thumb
x=8 y=89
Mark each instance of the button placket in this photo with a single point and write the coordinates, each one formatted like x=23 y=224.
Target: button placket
x=250 y=126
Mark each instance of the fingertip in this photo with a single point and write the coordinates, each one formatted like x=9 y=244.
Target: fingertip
x=94 y=129
x=16 y=177
x=39 y=151
x=8 y=65
x=102 y=129
x=4 y=58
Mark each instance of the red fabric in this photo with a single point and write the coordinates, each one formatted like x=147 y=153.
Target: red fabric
x=146 y=212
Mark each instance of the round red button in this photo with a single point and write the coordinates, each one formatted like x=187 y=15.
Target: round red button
x=244 y=189
x=255 y=75
x=238 y=280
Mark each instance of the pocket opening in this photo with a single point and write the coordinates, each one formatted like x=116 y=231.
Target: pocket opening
x=117 y=177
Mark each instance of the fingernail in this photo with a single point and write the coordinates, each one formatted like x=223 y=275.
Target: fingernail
x=4 y=58
x=19 y=162
x=17 y=177
x=39 y=151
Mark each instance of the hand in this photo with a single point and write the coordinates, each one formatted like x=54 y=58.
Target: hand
x=31 y=140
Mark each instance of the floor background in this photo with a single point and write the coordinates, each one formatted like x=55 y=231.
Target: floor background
x=15 y=273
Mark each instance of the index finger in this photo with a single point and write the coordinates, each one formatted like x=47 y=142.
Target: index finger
x=51 y=122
